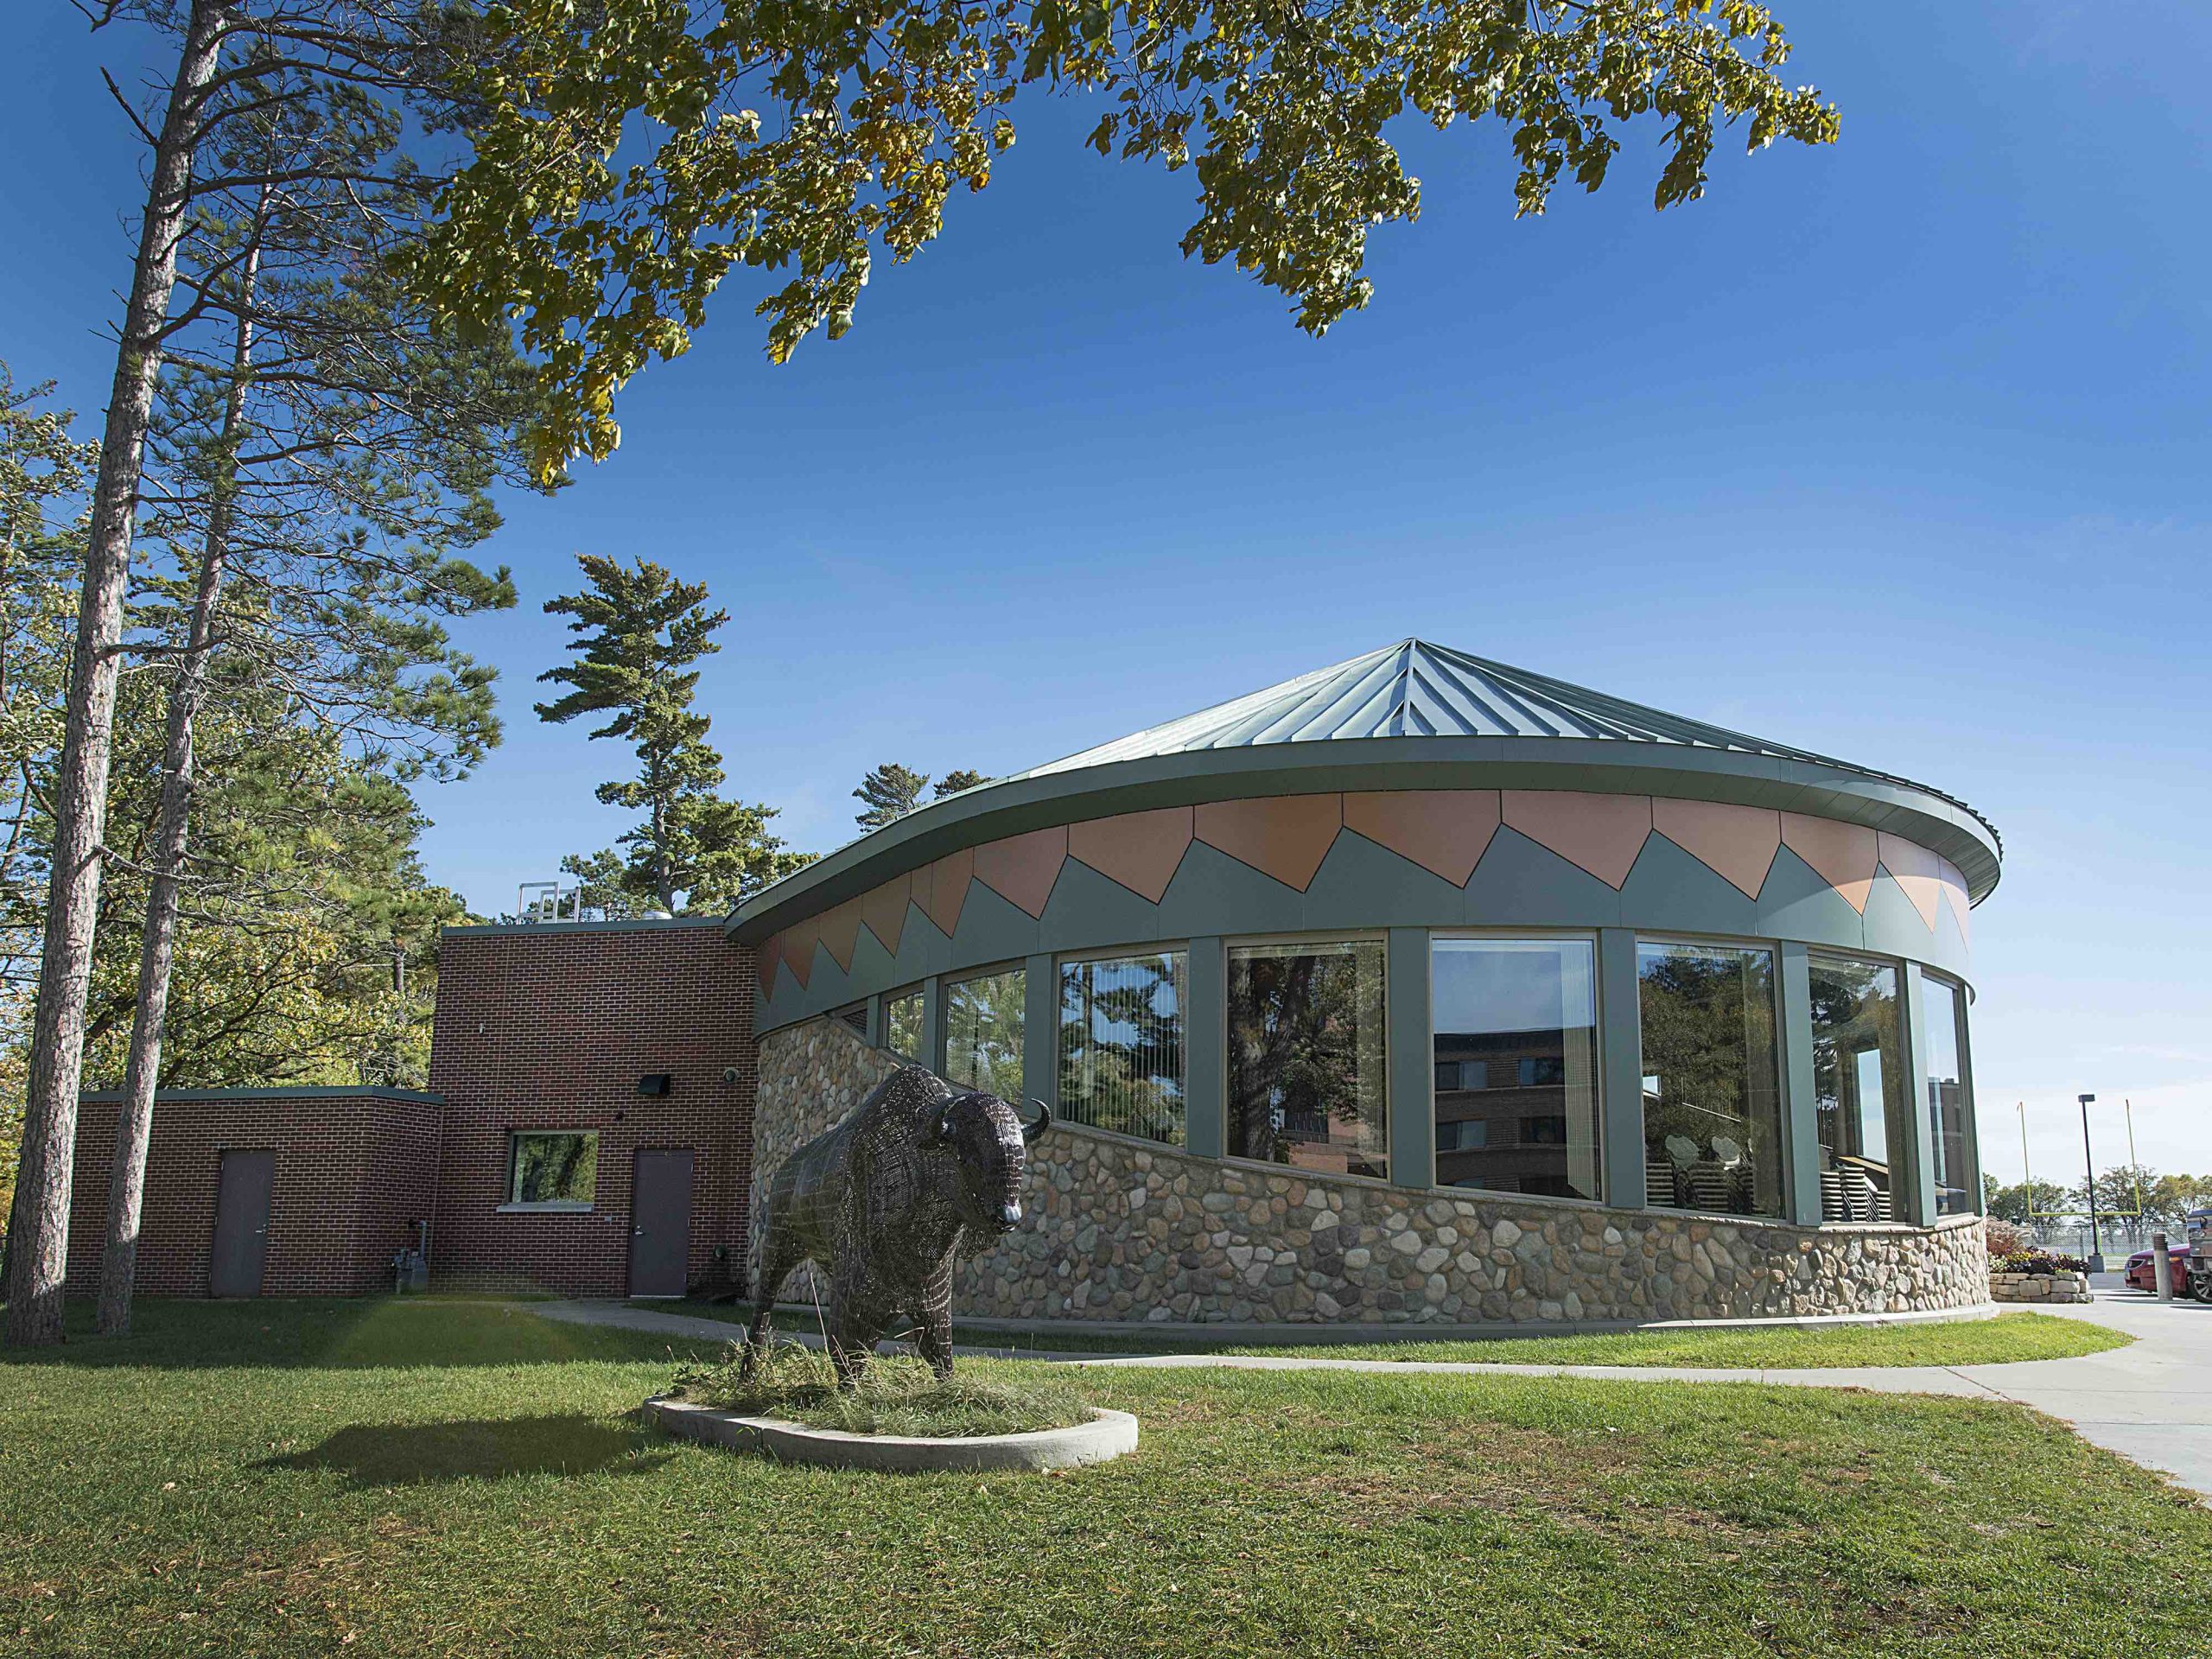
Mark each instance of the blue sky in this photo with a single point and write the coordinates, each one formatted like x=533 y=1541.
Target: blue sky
x=1895 y=450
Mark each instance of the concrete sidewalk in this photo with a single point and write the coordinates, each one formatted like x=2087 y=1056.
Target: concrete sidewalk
x=2150 y=1402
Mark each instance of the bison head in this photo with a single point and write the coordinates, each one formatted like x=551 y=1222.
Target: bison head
x=989 y=1146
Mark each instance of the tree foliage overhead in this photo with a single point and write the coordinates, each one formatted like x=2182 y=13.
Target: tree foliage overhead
x=631 y=154
x=639 y=633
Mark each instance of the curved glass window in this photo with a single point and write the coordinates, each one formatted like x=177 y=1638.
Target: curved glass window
x=982 y=1032
x=1950 y=1096
x=1515 y=1030
x=1712 y=1103
x=1306 y=1055
x=1859 y=1083
x=1122 y=1044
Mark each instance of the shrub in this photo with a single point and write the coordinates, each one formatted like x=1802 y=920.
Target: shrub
x=897 y=1395
x=2037 y=1261
x=2005 y=1238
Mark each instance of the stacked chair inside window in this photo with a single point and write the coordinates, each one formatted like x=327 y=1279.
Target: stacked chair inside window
x=1854 y=1189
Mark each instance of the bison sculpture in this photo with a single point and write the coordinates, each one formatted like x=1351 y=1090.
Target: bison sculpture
x=887 y=1200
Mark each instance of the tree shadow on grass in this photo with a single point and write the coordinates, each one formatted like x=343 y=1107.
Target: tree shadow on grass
x=359 y=1333
x=414 y=1455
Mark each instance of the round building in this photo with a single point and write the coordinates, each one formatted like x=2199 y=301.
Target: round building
x=1421 y=988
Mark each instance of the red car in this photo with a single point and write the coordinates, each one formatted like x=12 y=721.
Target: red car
x=2142 y=1275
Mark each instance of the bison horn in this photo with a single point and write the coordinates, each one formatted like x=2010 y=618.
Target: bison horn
x=1031 y=1131
x=939 y=1128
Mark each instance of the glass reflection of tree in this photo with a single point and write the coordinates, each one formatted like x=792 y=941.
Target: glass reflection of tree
x=1121 y=1046
x=1705 y=1030
x=1854 y=1010
x=984 y=1046
x=553 y=1168
x=1300 y=1029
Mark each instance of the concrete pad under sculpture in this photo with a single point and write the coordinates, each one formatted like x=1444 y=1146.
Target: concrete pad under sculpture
x=1108 y=1434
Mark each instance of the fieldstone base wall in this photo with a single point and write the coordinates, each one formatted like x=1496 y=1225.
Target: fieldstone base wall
x=1119 y=1229
x=2038 y=1287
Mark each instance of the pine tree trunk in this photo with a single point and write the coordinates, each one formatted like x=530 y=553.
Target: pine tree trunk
x=39 y=1233
x=157 y=944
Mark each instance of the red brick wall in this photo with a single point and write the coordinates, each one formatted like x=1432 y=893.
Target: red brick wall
x=351 y=1169
x=550 y=1027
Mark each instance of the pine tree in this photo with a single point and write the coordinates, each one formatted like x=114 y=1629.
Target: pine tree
x=42 y=472
x=957 y=780
x=233 y=63
x=888 y=793
x=639 y=630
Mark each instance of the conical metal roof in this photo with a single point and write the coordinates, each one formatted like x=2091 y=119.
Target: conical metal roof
x=1417 y=688
x=1409 y=690
x=1414 y=689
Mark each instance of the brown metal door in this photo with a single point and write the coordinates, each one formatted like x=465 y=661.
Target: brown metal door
x=242 y=1224
x=660 y=1223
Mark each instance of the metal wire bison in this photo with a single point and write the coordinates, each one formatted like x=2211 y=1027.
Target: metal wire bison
x=887 y=1200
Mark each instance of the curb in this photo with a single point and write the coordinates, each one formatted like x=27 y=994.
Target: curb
x=1108 y=1434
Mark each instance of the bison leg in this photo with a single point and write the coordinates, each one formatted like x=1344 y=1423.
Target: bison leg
x=933 y=1337
x=852 y=1331
x=850 y=1359
x=776 y=1265
x=933 y=1320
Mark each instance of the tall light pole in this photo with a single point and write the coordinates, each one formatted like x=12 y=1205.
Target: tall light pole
x=2089 y=1164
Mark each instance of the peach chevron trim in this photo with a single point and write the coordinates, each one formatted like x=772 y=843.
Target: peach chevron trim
x=1601 y=834
x=1737 y=842
x=1842 y=854
x=841 y=932
x=1022 y=868
x=1914 y=869
x=798 y=948
x=948 y=889
x=1445 y=831
x=883 y=910
x=1286 y=836
x=1140 y=850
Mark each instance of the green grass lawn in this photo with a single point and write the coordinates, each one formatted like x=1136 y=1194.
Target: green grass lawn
x=422 y=1477
x=2007 y=1337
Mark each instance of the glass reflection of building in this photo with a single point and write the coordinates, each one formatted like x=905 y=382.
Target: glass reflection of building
x=1516 y=1065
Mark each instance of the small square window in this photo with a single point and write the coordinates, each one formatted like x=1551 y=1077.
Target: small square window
x=553 y=1169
